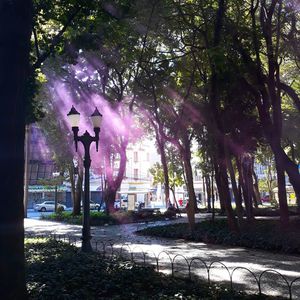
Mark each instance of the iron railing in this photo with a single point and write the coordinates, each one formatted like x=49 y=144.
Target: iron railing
x=267 y=282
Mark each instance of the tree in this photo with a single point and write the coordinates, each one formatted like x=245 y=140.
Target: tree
x=61 y=144
x=265 y=157
x=158 y=173
x=57 y=26
x=15 y=28
x=262 y=58
x=176 y=171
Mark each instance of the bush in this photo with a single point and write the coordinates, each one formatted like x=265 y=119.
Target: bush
x=59 y=271
x=100 y=218
x=96 y=218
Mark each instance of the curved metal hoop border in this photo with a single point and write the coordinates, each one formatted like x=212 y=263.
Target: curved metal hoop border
x=114 y=253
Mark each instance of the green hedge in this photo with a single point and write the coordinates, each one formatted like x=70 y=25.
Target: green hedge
x=59 y=271
x=100 y=218
x=262 y=234
x=96 y=218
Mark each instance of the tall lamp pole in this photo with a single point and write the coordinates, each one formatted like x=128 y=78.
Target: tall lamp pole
x=86 y=139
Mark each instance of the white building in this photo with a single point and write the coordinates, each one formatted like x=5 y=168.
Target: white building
x=137 y=183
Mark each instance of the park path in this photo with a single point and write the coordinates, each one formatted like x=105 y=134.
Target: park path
x=124 y=237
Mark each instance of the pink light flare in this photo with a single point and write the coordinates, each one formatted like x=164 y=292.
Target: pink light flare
x=117 y=123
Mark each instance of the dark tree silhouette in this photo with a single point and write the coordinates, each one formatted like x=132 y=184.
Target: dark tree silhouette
x=15 y=29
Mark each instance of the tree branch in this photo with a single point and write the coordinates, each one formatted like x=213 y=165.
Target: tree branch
x=36 y=44
x=291 y=93
x=55 y=40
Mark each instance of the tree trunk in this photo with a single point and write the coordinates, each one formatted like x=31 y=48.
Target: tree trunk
x=224 y=192
x=208 y=189
x=204 y=190
x=238 y=200
x=192 y=205
x=72 y=183
x=239 y=181
x=76 y=189
x=213 y=197
x=26 y=168
x=293 y=157
x=284 y=211
x=288 y=165
x=251 y=186
x=219 y=188
x=110 y=197
x=175 y=200
x=247 y=184
x=161 y=148
x=15 y=30
x=255 y=187
x=114 y=183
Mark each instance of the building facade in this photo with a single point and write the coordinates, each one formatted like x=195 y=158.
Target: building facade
x=137 y=186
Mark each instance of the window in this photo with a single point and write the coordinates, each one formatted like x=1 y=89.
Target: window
x=49 y=202
x=135 y=156
x=33 y=173
x=41 y=171
x=136 y=174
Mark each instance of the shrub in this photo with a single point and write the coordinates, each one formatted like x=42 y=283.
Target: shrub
x=59 y=271
x=100 y=218
x=262 y=234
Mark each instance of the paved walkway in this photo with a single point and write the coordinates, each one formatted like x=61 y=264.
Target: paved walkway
x=232 y=257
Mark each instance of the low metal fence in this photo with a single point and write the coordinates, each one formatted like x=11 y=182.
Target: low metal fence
x=239 y=278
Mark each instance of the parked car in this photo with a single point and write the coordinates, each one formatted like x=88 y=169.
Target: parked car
x=93 y=205
x=48 y=206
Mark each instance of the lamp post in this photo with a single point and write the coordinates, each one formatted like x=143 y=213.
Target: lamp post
x=86 y=139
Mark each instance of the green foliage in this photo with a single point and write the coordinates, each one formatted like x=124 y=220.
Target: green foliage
x=157 y=172
x=192 y=67
x=96 y=218
x=59 y=271
x=101 y=218
x=175 y=169
x=263 y=234
x=33 y=106
x=54 y=181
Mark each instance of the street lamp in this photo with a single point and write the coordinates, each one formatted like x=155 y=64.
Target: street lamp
x=86 y=139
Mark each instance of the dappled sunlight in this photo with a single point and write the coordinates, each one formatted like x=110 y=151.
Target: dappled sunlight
x=35 y=227
x=175 y=256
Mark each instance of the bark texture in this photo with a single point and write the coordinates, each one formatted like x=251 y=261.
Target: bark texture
x=15 y=29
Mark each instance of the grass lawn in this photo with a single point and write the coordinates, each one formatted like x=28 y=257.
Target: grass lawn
x=59 y=271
